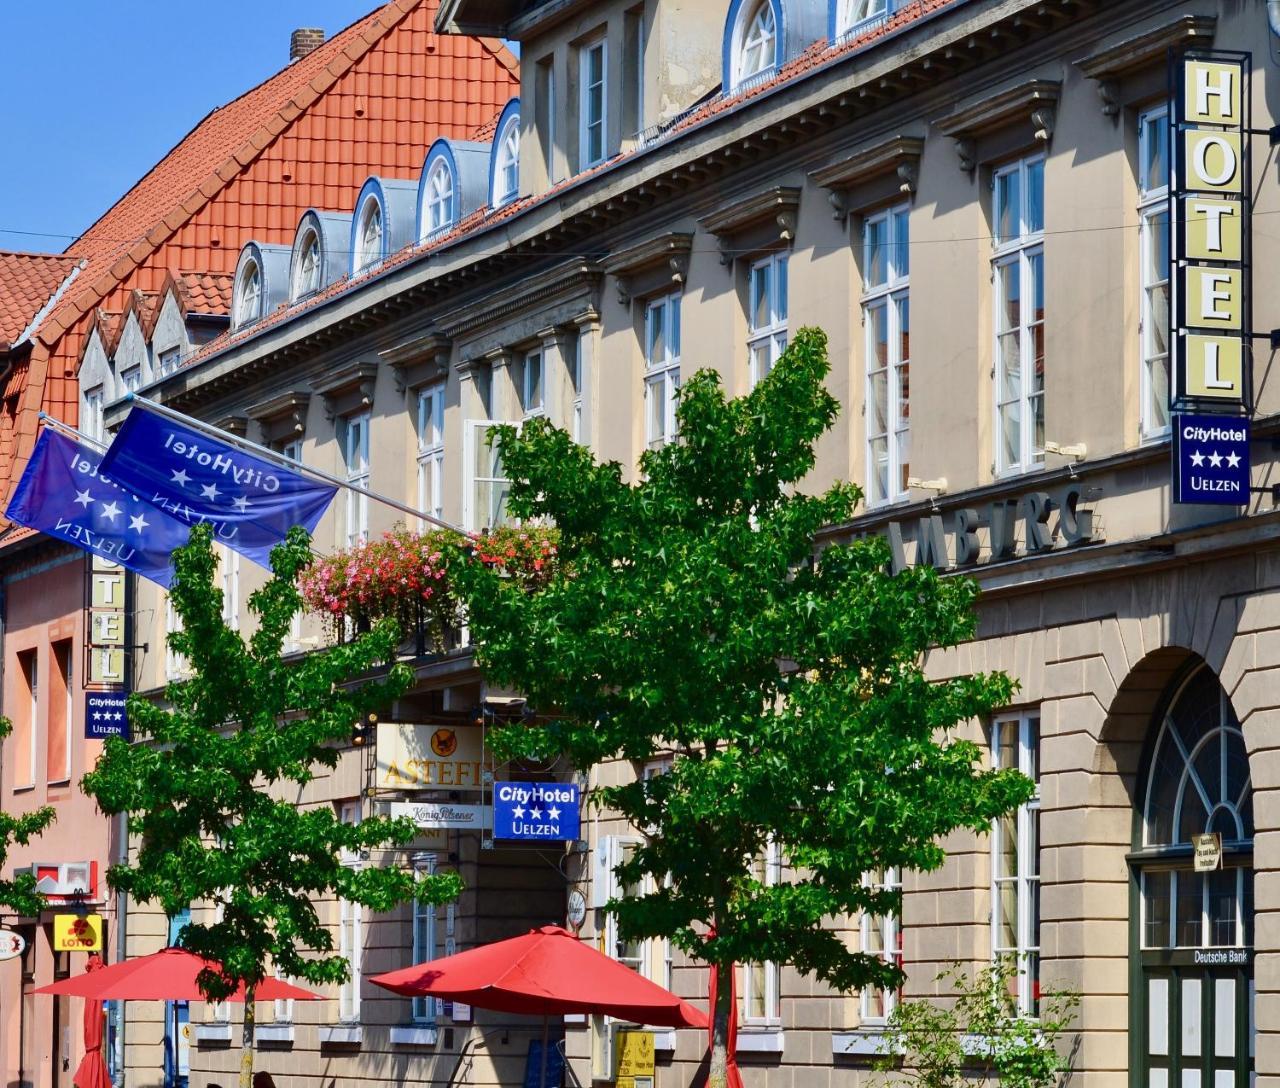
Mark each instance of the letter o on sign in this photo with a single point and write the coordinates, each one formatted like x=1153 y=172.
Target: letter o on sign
x=1229 y=162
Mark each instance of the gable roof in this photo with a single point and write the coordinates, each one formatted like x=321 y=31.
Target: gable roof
x=27 y=283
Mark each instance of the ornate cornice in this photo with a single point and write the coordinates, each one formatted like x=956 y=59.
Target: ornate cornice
x=900 y=155
x=671 y=249
x=1036 y=101
x=354 y=382
x=1145 y=50
x=775 y=208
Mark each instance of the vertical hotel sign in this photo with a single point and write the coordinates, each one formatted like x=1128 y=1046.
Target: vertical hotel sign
x=1209 y=217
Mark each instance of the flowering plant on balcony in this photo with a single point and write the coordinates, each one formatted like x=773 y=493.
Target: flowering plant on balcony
x=405 y=575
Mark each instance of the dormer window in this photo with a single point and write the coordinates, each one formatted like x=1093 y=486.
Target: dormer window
x=247 y=305
x=369 y=239
x=755 y=42
x=439 y=198
x=306 y=269
x=852 y=14
x=506 y=175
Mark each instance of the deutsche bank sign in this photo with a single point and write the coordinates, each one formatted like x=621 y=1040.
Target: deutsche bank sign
x=535 y=811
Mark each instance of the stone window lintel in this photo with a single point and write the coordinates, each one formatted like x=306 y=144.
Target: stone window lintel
x=899 y=155
x=1035 y=100
x=774 y=209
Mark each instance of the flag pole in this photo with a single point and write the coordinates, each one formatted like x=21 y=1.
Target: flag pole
x=289 y=462
x=70 y=431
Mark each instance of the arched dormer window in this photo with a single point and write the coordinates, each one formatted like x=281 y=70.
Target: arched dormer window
x=369 y=234
x=852 y=14
x=754 y=41
x=247 y=301
x=438 y=200
x=306 y=266
x=504 y=184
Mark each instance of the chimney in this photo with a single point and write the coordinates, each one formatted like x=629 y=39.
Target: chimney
x=304 y=40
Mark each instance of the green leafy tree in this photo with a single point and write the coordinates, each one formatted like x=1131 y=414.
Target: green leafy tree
x=694 y=613
x=978 y=1034
x=198 y=789
x=19 y=894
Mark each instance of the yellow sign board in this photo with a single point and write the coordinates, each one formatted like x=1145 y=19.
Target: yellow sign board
x=428 y=757
x=77 y=933
x=635 y=1055
x=1208 y=852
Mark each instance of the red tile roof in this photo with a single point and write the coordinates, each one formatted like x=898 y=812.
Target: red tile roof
x=203 y=293
x=27 y=282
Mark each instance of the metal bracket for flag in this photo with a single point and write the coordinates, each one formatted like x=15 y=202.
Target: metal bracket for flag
x=289 y=462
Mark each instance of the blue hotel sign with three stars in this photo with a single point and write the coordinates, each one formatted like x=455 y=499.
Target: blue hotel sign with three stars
x=1211 y=459
x=105 y=715
x=535 y=811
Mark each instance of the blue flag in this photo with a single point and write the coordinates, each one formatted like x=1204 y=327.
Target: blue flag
x=250 y=502
x=64 y=494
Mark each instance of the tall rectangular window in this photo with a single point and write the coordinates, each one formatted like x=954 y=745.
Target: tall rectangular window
x=1153 y=228
x=574 y=347
x=761 y=982
x=431 y=450
x=881 y=937
x=354 y=435
x=661 y=369
x=533 y=392
x=1015 y=859
x=1018 y=272
x=131 y=379
x=767 y=314
x=175 y=664
x=91 y=421
x=61 y=713
x=350 y=935
x=27 y=725
x=592 y=102
x=544 y=115
x=633 y=59
x=487 y=486
x=229 y=566
x=293 y=450
x=424 y=939
x=886 y=319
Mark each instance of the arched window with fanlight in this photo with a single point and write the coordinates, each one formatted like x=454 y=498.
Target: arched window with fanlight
x=506 y=170
x=306 y=268
x=369 y=246
x=1193 y=865
x=754 y=41
x=438 y=199
x=247 y=302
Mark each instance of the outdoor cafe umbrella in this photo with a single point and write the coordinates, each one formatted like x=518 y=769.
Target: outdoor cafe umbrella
x=167 y=975
x=92 y=1071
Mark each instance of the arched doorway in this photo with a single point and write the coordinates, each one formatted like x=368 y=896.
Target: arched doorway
x=1192 y=940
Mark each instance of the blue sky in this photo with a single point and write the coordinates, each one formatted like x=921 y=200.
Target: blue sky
x=96 y=92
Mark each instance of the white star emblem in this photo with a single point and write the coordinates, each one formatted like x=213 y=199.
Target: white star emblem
x=1215 y=459
x=553 y=813
x=1233 y=459
x=536 y=814
x=1197 y=458
x=241 y=504
x=180 y=477
x=138 y=522
x=518 y=812
x=84 y=498
x=209 y=491
x=110 y=511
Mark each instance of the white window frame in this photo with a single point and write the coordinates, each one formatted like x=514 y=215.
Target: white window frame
x=350 y=930
x=473 y=443
x=354 y=436
x=91 y=413
x=439 y=198
x=176 y=665
x=369 y=236
x=574 y=343
x=218 y=1012
x=661 y=369
x=306 y=276
x=1026 y=880
x=506 y=174
x=31 y=673
x=533 y=384
x=423 y=1009
x=892 y=295
x=888 y=928
x=229 y=569
x=748 y=21
x=248 y=303
x=131 y=379
x=852 y=15
x=282 y=1007
x=1153 y=205
x=772 y=972
x=430 y=432
x=767 y=341
x=168 y=360
x=593 y=122
x=1020 y=252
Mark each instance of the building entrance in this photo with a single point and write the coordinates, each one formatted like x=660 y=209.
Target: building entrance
x=1192 y=961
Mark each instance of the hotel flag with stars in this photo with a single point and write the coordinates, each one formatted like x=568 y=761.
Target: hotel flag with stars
x=250 y=502
x=64 y=494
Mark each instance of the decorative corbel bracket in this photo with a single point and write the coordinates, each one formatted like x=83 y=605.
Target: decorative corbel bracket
x=1035 y=101
x=415 y=362
x=1112 y=63
x=763 y=219
x=282 y=418
x=651 y=266
x=899 y=156
x=347 y=389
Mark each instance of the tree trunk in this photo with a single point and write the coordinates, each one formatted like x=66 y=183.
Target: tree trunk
x=246 y=1039
x=718 y=1075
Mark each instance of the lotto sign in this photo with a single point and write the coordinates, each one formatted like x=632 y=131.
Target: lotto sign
x=1210 y=212
x=535 y=811
x=77 y=933
x=104 y=715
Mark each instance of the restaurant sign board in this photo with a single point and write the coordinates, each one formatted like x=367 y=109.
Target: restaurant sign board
x=429 y=757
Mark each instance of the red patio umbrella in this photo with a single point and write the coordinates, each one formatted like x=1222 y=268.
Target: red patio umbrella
x=167 y=975
x=545 y=972
x=92 y=1071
